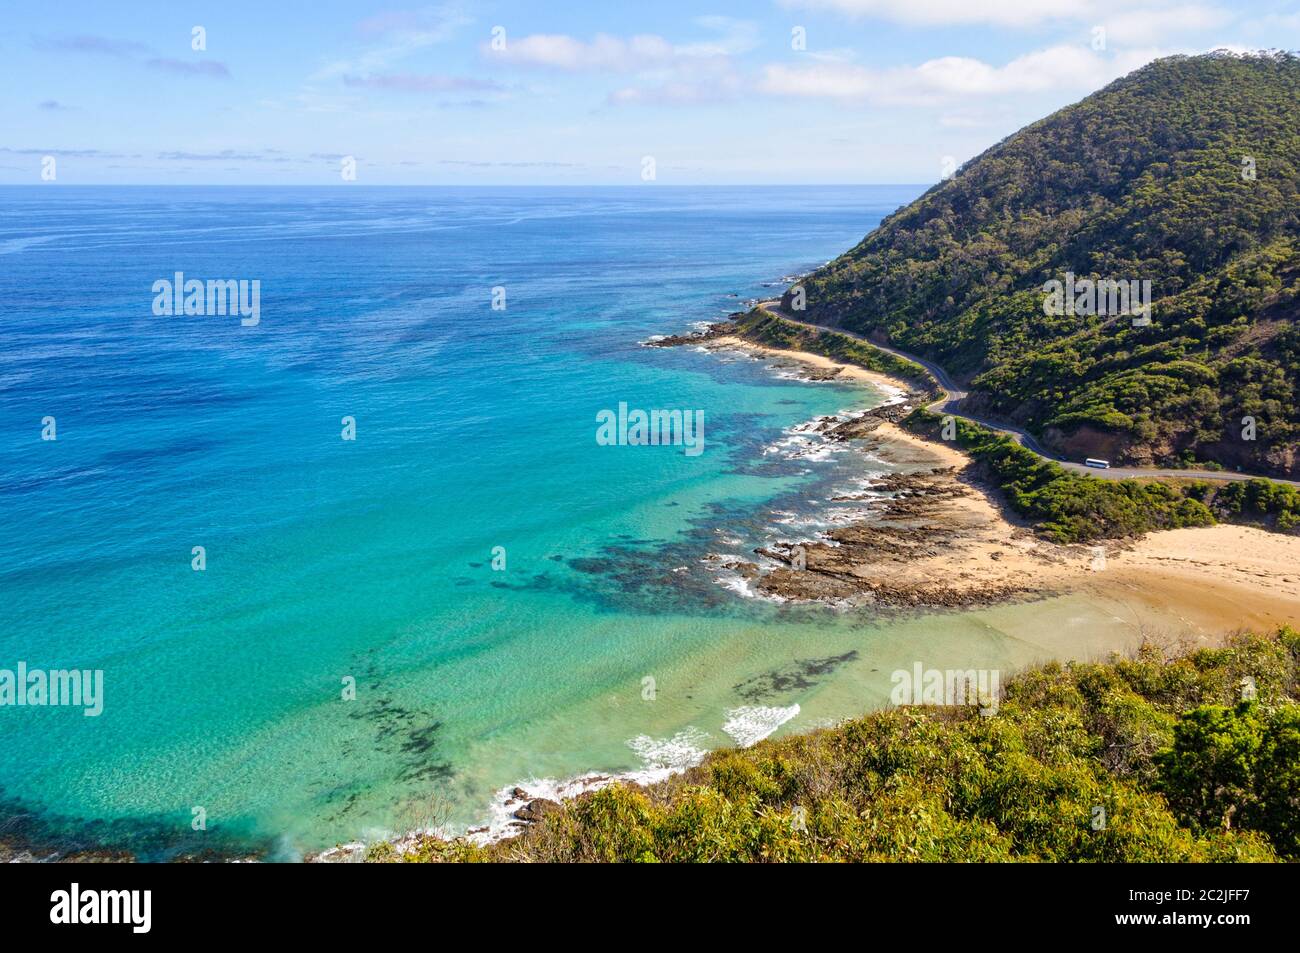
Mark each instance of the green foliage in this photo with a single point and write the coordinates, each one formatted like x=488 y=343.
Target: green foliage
x=763 y=327
x=1275 y=505
x=1065 y=506
x=1070 y=507
x=426 y=849
x=1081 y=762
x=1140 y=181
x=1237 y=767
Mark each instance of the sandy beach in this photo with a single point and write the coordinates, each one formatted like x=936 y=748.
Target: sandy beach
x=819 y=367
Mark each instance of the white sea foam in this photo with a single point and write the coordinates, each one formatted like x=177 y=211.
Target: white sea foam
x=807 y=440
x=664 y=757
x=785 y=523
x=804 y=441
x=744 y=587
x=660 y=759
x=342 y=853
x=501 y=822
x=784 y=372
x=842 y=515
x=750 y=724
x=893 y=395
x=860 y=489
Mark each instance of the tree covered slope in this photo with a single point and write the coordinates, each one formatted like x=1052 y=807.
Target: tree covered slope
x=1150 y=180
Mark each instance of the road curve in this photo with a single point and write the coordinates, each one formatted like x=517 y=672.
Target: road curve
x=952 y=397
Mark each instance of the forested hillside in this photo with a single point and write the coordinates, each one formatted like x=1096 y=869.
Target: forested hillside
x=1185 y=174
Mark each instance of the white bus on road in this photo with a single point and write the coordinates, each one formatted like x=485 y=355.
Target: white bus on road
x=1099 y=464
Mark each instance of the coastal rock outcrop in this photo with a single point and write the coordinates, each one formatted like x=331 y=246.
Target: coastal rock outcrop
x=536 y=809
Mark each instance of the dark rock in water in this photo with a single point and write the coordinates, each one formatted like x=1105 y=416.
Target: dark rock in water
x=884 y=559
x=801 y=675
x=519 y=794
x=812 y=373
x=677 y=340
x=724 y=561
x=536 y=809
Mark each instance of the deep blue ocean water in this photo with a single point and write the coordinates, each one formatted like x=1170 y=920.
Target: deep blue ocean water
x=370 y=561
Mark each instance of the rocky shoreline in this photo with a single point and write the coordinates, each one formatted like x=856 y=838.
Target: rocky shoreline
x=524 y=809
x=931 y=537
x=711 y=333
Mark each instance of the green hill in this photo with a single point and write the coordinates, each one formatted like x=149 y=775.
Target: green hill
x=1150 y=180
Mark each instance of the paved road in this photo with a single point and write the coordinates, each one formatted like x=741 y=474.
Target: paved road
x=953 y=395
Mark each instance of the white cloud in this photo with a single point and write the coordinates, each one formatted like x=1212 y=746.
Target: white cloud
x=1126 y=22
x=401 y=36
x=689 y=88
x=670 y=94
x=949 y=12
x=966 y=120
x=686 y=82
x=1274 y=23
x=734 y=37
x=952 y=78
x=1134 y=27
x=666 y=73
x=423 y=83
x=604 y=52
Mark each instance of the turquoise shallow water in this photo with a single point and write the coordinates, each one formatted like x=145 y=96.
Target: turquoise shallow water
x=372 y=559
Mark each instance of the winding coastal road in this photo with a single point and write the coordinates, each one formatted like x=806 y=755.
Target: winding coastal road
x=952 y=396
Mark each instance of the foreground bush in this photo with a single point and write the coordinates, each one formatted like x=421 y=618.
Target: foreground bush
x=1149 y=758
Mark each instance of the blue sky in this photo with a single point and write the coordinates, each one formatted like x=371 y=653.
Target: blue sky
x=718 y=93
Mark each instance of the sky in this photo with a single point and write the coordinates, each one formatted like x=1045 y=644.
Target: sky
x=284 y=92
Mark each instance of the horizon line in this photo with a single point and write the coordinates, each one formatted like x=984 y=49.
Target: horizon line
x=455 y=185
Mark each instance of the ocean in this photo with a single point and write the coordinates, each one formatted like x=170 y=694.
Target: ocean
x=472 y=592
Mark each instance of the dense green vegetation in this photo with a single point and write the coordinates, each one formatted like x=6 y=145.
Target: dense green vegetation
x=1149 y=758
x=1261 y=502
x=1066 y=506
x=763 y=327
x=1141 y=181
x=1070 y=507
x=1236 y=767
